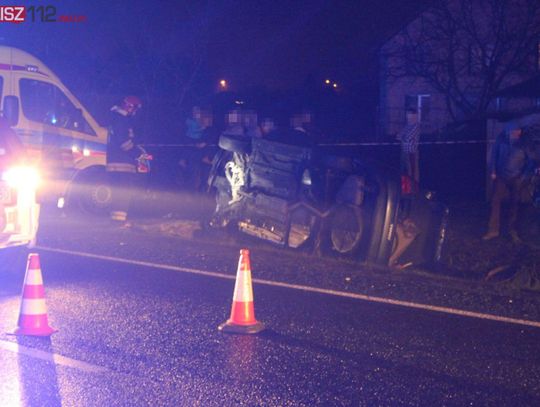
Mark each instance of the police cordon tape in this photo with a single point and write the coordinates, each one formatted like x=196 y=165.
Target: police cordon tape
x=393 y=143
x=397 y=143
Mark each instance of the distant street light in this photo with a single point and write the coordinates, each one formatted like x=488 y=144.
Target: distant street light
x=223 y=84
x=327 y=81
x=335 y=85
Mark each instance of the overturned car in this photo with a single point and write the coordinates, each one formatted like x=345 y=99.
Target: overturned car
x=282 y=190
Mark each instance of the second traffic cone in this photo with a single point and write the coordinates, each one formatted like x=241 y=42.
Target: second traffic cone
x=242 y=319
x=33 y=314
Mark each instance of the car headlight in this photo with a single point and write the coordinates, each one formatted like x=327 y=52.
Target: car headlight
x=22 y=177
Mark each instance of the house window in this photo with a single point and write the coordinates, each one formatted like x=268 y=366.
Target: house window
x=421 y=103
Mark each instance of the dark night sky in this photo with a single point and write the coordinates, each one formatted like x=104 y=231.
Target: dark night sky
x=276 y=43
x=282 y=42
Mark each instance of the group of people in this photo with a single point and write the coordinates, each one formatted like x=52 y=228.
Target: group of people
x=512 y=163
x=201 y=140
x=513 y=158
x=201 y=137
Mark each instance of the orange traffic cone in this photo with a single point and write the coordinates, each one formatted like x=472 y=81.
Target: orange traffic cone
x=242 y=320
x=33 y=314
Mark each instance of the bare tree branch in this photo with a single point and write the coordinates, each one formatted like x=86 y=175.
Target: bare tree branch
x=468 y=50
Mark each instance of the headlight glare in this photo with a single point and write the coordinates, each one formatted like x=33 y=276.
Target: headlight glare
x=22 y=177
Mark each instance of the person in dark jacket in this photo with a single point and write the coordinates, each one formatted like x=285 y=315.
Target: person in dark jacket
x=507 y=169
x=121 y=157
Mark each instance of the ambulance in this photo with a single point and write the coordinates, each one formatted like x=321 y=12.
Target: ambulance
x=59 y=135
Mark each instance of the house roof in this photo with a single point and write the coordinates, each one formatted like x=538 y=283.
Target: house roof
x=528 y=88
x=423 y=6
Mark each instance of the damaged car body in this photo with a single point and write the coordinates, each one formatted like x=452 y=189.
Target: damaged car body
x=294 y=196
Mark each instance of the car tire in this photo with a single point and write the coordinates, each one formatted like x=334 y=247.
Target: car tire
x=383 y=227
x=345 y=229
x=302 y=227
x=431 y=218
x=91 y=193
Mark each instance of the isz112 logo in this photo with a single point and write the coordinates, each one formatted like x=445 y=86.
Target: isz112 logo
x=12 y=14
x=43 y=14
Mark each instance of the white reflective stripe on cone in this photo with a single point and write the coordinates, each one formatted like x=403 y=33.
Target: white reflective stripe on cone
x=243 y=291
x=33 y=307
x=33 y=277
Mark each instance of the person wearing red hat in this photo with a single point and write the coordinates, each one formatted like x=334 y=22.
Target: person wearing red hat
x=121 y=157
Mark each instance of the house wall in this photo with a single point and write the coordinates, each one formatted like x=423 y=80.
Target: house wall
x=393 y=91
x=393 y=110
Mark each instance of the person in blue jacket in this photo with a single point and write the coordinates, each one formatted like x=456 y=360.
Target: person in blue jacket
x=508 y=170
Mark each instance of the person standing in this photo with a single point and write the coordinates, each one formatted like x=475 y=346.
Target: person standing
x=507 y=169
x=193 y=164
x=409 y=137
x=121 y=157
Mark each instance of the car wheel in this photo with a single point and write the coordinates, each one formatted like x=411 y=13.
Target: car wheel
x=346 y=228
x=383 y=227
x=431 y=219
x=235 y=144
x=92 y=193
x=302 y=223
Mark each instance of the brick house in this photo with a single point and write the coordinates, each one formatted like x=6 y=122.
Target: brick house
x=520 y=102
x=436 y=65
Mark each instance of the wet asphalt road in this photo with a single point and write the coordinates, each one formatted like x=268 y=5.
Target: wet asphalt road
x=155 y=332
x=141 y=335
